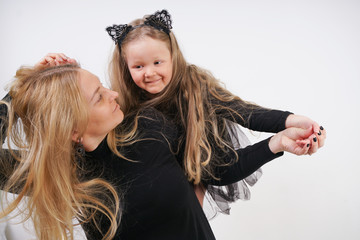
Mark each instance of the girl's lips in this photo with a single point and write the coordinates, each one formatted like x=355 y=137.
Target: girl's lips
x=153 y=81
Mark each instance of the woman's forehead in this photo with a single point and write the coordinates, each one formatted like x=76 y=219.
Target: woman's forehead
x=88 y=83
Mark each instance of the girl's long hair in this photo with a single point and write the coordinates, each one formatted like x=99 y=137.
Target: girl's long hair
x=188 y=100
x=46 y=107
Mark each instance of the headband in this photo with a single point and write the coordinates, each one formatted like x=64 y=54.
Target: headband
x=160 y=20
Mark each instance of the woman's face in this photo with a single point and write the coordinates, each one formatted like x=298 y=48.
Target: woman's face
x=104 y=112
x=150 y=64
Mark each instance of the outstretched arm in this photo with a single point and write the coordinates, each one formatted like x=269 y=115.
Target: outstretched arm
x=262 y=119
x=250 y=115
x=251 y=158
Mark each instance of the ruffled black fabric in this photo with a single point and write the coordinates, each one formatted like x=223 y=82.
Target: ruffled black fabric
x=218 y=198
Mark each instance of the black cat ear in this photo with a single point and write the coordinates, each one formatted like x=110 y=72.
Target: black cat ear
x=118 y=32
x=160 y=20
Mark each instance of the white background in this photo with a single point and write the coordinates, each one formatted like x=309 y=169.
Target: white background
x=302 y=56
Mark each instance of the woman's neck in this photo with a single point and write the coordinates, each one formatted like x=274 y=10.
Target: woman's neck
x=90 y=143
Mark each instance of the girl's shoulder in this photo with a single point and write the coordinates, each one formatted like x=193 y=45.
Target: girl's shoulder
x=154 y=120
x=154 y=124
x=150 y=123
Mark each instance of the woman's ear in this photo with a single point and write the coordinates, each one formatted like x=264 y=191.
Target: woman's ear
x=75 y=136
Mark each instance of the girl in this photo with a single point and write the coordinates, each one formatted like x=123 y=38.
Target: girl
x=149 y=70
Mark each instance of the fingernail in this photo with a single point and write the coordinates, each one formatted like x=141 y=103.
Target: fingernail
x=321 y=128
x=308 y=145
x=315 y=139
x=319 y=133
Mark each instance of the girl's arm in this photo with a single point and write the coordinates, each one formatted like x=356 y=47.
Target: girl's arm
x=251 y=116
x=262 y=119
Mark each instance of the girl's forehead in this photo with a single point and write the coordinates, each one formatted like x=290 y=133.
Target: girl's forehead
x=145 y=48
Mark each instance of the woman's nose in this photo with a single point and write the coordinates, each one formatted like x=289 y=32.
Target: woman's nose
x=112 y=95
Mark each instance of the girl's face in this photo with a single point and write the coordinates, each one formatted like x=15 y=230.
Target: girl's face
x=104 y=113
x=150 y=64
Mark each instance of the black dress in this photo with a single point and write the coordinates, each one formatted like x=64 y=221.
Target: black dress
x=159 y=202
x=232 y=182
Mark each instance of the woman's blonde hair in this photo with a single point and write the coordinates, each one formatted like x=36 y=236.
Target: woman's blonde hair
x=188 y=99
x=47 y=106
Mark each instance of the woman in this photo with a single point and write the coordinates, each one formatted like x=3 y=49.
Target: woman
x=58 y=110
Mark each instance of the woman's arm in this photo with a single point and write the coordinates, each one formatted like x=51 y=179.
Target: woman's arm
x=253 y=157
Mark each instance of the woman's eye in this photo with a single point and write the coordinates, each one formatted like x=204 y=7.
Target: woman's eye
x=100 y=97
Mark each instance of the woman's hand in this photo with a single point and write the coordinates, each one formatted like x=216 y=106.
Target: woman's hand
x=293 y=140
x=54 y=59
x=318 y=136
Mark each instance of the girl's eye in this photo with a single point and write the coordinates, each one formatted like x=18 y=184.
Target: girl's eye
x=157 y=62
x=138 y=67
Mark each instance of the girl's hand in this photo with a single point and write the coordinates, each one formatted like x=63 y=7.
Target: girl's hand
x=293 y=140
x=54 y=59
x=317 y=139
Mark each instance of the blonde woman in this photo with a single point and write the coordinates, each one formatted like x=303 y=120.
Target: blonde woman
x=53 y=111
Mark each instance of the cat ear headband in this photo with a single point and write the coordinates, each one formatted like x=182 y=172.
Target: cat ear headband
x=160 y=20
